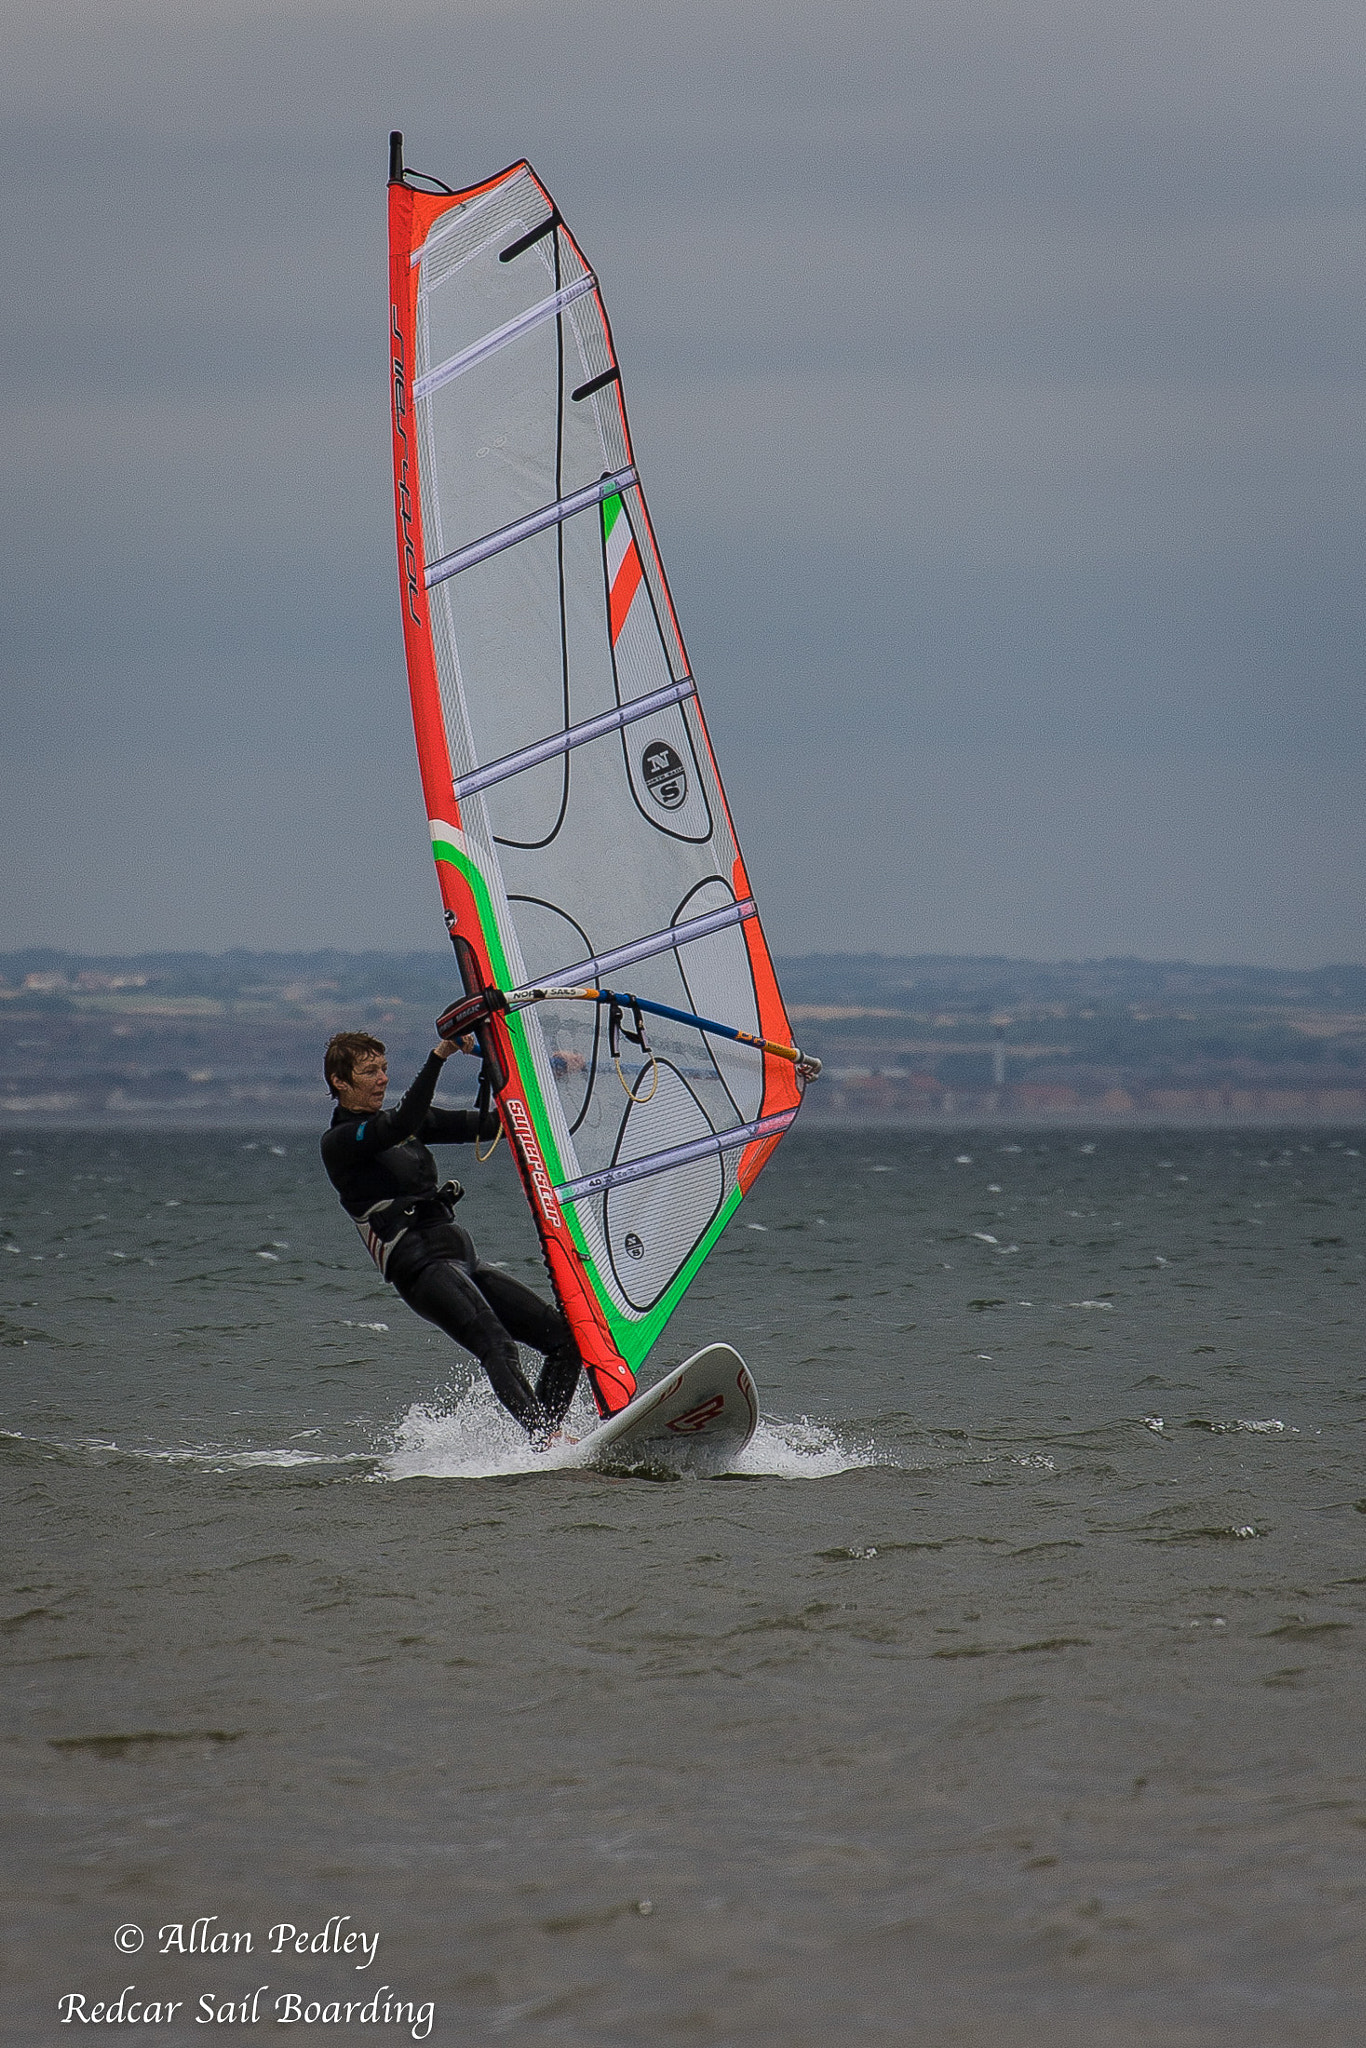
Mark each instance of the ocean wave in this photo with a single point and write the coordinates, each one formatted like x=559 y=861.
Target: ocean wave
x=22 y=1449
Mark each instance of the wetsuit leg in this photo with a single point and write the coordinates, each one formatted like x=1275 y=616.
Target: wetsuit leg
x=558 y=1379
x=533 y=1321
x=447 y=1295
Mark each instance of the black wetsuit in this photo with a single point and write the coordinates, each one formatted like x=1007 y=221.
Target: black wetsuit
x=386 y=1177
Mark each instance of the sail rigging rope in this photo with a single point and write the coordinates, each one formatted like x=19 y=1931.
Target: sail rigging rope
x=616 y=1031
x=481 y=1109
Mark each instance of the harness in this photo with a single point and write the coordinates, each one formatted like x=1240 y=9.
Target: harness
x=384 y=1224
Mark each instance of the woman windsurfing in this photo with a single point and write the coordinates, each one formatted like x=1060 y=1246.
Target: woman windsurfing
x=379 y=1162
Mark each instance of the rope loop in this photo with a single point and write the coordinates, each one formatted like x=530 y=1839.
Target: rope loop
x=654 y=1081
x=481 y=1107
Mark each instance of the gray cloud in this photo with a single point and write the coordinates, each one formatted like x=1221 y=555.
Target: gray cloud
x=995 y=378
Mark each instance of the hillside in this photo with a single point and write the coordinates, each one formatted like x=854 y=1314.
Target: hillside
x=238 y=1035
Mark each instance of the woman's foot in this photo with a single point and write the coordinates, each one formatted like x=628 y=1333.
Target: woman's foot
x=552 y=1439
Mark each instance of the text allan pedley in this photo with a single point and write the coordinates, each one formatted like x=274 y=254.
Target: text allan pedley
x=202 y=1938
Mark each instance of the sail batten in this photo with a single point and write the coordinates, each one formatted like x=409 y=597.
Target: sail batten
x=678 y=1155
x=536 y=234
x=573 y=736
x=489 y=344
x=575 y=807
x=667 y=941
x=524 y=529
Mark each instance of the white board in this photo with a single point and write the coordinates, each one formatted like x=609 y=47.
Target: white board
x=696 y=1420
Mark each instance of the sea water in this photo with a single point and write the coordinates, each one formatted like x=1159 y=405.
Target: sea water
x=1010 y=1690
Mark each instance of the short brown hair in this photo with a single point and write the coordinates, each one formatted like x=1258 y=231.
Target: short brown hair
x=344 y=1048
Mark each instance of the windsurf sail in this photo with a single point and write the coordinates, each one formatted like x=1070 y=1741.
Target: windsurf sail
x=588 y=864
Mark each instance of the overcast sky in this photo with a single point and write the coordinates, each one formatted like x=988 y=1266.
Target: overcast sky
x=994 y=372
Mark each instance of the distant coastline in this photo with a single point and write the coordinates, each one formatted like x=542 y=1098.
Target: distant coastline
x=183 y=1039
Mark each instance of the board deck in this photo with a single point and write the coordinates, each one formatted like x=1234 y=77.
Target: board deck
x=696 y=1420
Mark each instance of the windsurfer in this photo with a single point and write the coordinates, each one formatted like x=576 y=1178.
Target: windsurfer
x=379 y=1163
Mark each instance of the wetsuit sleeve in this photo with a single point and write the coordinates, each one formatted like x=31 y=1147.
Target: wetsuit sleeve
x=388 y=1127
x=458 y=1126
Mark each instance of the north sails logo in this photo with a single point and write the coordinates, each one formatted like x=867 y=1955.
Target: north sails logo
x=531 y=1152
x=405 y=496
x=664 y=776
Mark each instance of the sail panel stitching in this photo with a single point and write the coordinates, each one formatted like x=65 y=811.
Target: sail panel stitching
x=452 y=221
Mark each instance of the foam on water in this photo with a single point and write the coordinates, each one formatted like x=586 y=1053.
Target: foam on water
x=249 y=1461
x=206 y=1457
x=1272 y=1426
x=477 y=1439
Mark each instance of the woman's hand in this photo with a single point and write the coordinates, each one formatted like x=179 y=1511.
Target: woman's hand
x=444 y=1047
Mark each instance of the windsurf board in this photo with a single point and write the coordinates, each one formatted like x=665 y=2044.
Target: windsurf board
x=696 y=1420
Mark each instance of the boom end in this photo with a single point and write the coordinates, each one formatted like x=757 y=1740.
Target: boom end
x=396 y=156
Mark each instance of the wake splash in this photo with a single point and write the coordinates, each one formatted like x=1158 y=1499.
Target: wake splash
x=804 y=1450
x=477 y=1439
x=474 y=1439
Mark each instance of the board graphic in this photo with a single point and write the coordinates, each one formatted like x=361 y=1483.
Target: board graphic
x=697 y=1420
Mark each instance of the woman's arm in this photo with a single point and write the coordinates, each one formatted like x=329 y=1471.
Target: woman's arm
x=391 y=1126
x=460 y=1126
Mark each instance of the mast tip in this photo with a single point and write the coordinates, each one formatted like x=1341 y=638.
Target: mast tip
x=396 y=156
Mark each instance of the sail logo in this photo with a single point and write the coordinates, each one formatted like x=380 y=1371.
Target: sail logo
x=664 y=775
x=698 y=1418
x=535 y=1164
x=405 y=496
x=634 y=1245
